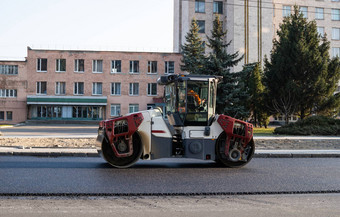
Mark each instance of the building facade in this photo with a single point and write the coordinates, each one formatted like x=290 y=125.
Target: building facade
x=248 y=24
x=84 y=85
x=13 y=87
x=252 y=24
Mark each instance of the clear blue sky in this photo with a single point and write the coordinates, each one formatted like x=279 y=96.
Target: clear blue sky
x=142 y=25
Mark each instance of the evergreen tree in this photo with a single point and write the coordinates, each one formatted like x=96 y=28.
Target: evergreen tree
x=193 y=50
x=299 y=72
x=256 y=102
x=230 y=95
x=329 y=102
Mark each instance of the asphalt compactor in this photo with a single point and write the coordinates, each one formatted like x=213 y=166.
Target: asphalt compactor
x=190 y=129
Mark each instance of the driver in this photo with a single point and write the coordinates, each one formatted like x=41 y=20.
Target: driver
x=196 y=96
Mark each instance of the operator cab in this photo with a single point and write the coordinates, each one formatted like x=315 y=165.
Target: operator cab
x=190 y=99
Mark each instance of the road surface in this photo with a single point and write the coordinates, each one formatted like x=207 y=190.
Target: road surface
x=315 y=205
x=83 y=187
x=92 y=176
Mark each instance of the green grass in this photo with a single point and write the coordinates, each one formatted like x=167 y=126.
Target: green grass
x=264 y=131
x=5 y=125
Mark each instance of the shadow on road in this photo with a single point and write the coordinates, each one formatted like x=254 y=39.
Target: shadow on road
x=91 y=163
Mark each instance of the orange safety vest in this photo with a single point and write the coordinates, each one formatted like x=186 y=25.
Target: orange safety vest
x=195 y=95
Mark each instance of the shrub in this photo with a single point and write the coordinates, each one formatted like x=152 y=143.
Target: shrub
x=315 y=125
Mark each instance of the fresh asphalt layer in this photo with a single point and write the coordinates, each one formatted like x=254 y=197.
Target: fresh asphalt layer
x=92 y=176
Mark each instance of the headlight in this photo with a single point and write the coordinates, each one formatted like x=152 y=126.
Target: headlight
x=239 y=129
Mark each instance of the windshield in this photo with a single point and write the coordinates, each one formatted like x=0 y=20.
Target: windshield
x=190 y=101
x=170 y=97
x=197 y=97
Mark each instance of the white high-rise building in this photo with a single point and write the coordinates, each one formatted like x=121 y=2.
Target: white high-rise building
x=252 y=24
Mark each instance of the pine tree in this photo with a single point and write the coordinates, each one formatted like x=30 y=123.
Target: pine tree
x=298 y=75
x=256 y=100
x=329 y=102
x=230 y=95
x=193 y=50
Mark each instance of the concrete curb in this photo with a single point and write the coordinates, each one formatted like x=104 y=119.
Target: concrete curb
x=91 y=152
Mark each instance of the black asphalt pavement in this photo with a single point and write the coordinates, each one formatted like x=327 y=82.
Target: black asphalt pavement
x=86 y=176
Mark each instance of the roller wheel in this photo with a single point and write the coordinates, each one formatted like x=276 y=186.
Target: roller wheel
x=122 y=162
x=231 y=161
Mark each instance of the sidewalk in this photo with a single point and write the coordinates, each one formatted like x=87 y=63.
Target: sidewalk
x=91 y=152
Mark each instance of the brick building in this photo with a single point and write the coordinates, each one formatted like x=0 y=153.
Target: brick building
x=13 y=87
x=83 y=85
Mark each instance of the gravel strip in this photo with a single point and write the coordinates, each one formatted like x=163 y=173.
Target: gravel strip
x=261 y=144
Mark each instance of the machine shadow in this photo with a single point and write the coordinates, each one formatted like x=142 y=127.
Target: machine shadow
x=161 y=163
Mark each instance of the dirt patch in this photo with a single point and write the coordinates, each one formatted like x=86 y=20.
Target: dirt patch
x=49 y=142
x=327 y=144
x=91 y=143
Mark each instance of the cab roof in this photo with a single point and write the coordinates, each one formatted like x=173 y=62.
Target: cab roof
x=167 y=79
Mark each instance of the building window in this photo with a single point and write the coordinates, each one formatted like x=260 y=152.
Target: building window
x=319 y=14
x=133 y=108
x=134 y=89
x=78 y=88
x=97 y=88
x=169 y=67
x=115 y=109
x=335 y=14
x=116 y=66
x=286 y=11
x=11 y=93
x=60 y=65
x=304 y=11
x=79 y=65
x=335 y=33
x=97 y=66
x=152 y=89
x=46 y=111
x=87 y=112
x=60 y=88
x=201 y=25
x=134 y=66
x=335 y=52
x=218 y=7
x=9 y=69
x=42 y=65
x=321 y=31
x=9 y=115
x=152 y=66
x=42 y=87
x=199 y=6
x=2 y=115
x=115 y=89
